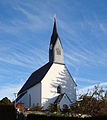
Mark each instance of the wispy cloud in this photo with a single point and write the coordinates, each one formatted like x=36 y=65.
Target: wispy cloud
x=85 y=50
x=20 y=59
x=8 y=90
x=91 y=88
x=30 y=21
x=103 y=27
x=35 y=22
x=86 y=56
x=87 y=80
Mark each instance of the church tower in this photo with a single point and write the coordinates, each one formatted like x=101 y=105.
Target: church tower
x=56 y=54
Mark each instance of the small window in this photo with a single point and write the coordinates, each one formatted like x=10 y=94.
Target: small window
x=58 y=51
x=59 y=89
x=51 y=46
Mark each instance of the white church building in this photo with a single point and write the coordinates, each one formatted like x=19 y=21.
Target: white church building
x=52 y=83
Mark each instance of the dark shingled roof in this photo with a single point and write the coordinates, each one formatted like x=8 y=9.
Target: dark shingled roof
x=20 y=96
x=59 y=98
x=54 y=34
x=36 y=77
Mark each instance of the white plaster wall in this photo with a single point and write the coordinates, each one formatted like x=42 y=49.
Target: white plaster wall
x=35 y=93
x=58 y=58
x=57 y=75
x=24 y=100
x=50 y=100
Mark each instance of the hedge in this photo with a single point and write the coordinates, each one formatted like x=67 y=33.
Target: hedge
x=7 y=112
x=51 y=117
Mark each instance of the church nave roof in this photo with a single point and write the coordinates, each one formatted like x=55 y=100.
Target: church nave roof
x=36 y=77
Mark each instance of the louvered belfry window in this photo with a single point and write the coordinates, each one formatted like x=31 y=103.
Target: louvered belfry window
x=58 y=51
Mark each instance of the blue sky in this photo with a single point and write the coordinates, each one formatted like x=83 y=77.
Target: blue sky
x=25 y=31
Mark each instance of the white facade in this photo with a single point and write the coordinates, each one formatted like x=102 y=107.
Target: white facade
x=35 y=93
x=57 y=75
x=45 y=92
x=24 y=100
x=32 y=97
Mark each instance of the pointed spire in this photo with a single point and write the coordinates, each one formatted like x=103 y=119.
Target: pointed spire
x=55 y=48
x=55 y=28
x=54 y=33
x=54 y=18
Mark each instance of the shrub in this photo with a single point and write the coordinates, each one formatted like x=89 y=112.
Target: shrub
x=7 y=112
x=52 y=108
x=36 y=108
x=94 y=104
x=60 y=117
x=5 y=101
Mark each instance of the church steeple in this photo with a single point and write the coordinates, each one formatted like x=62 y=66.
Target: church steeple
x=54 y=33
x=55 y=49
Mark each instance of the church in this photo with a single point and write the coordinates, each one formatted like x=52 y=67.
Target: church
x=52 y=83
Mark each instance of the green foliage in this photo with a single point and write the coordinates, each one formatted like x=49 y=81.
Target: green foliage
x=7 y=112
x=52 y=108
x=46 y=117
x=60 y=117
x=65 y=109
x=94 y=104
x=5 y=101
x=58 y=110
x=36 y=108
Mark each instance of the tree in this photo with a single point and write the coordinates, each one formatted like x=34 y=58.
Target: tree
x=94 y=104
x=5 y=101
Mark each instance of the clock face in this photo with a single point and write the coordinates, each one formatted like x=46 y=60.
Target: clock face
x=58 y=51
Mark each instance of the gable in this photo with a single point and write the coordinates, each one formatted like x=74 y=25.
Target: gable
x=57 y=75
x=62 y=97
x=58 y=99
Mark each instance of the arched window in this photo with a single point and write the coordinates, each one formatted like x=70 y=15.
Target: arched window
x=59 y=89
x=29 y=100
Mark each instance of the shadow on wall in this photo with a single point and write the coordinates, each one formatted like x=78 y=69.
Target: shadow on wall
x=67 y=84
